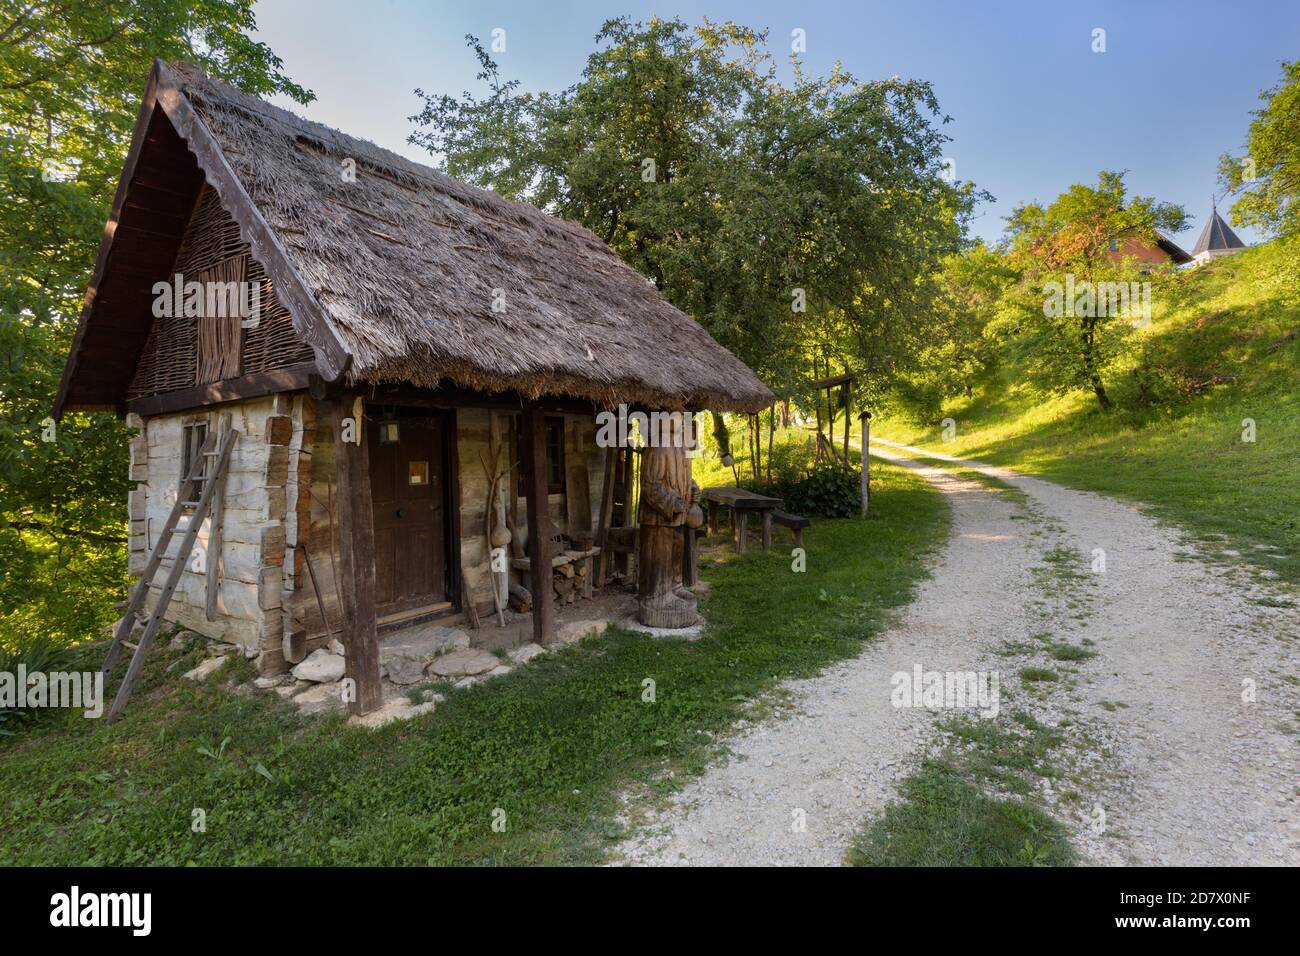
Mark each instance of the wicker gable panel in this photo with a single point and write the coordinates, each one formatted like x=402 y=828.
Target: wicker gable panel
x=171 y=356
x=221 y=334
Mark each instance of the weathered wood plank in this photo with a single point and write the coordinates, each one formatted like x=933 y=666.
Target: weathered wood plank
x=357 y=561
x=533 y=455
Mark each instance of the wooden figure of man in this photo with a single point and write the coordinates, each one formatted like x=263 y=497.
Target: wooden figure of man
x=669 y=501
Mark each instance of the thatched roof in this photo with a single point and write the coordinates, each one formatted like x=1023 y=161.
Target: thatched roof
x=403 y=265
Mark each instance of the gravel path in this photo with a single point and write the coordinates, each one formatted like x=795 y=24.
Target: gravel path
x=1167 y=752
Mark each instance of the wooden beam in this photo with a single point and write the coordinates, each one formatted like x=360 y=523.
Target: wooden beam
x=215 y=532
x=606 y=513
x=832 y=381
x=451 y=396
x=533 y=459
x=356 y=587
x=291 y=379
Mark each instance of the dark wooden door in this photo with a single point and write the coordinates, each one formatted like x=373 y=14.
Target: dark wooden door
x=406 y=483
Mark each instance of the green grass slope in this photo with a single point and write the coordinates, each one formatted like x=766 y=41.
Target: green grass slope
x=198 y=774
x=1228 y=336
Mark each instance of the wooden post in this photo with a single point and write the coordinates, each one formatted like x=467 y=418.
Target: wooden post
x=767 y=528
x=533 y=459
x=741 y=521
x=865 y=418
x=606 y=514
x=215 y=530
x=848 y=415
x=356 y=530
x=690 y=558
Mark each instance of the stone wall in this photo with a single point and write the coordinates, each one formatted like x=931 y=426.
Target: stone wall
x=281 y=498
x=248 y=597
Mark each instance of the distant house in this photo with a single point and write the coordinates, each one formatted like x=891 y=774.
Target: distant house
x=1217 y=239
x=1163 y=251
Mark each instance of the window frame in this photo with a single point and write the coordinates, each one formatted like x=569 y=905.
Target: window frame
x=194 y=434
x=556 y=466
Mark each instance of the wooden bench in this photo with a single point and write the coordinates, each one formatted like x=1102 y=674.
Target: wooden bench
x=795 y=523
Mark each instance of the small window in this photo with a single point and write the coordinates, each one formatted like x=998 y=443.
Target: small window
x=555 y=469
x=555 y=456
x=417 y=473
x=193 y=436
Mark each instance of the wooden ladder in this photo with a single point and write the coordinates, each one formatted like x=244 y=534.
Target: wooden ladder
x=212 y=482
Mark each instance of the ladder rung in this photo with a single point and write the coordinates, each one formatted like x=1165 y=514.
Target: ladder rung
x=189 y=504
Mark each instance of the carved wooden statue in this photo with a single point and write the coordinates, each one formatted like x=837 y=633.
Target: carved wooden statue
x=669 y=500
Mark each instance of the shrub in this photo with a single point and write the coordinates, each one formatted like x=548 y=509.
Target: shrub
x=828 y=490
x=34 y=654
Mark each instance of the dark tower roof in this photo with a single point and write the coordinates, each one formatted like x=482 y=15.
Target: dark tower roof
x=1216 y=235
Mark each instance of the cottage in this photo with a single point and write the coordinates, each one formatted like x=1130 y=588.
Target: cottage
x=398 y=376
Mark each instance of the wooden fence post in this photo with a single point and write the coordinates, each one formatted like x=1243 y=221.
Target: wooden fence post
x=865 y=418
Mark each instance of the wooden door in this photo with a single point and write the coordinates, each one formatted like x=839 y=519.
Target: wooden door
x=406 y=483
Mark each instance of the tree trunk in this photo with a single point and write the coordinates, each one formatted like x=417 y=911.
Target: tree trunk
x=721 y=435
x=771 y=433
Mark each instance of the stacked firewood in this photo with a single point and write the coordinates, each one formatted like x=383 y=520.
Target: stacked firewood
x=568 y=582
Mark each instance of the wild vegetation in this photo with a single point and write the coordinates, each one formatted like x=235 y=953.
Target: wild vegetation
x=70 y=80
x=1206 y=415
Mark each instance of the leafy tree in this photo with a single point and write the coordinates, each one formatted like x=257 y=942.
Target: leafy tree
x=790 y=219
x=71 y=75
x=1268 y=175
x=1065 y=251
x=970 y=290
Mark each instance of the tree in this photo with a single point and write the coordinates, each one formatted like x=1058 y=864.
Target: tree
x=71 y=75
x=785 y=218
x=970 y=290
x=1268 y=175
x=1070 y=257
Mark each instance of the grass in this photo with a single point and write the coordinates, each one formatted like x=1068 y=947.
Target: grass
x=977 y=804
x=944 y=820
x=552 y=746
x=1185 y=460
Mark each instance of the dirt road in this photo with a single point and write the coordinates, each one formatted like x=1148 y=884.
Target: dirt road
x=1182 y=727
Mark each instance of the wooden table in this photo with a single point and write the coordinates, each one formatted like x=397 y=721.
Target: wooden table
x=741 y=504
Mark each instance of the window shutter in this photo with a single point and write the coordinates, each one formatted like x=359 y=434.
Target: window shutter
x=221 y=335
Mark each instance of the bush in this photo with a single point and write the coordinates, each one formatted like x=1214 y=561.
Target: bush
x=34 y=654
x=829 y=490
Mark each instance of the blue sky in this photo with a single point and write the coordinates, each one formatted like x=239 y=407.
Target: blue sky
x=1033 y=108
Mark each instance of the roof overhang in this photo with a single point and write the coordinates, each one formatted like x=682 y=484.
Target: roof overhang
x=145 y=221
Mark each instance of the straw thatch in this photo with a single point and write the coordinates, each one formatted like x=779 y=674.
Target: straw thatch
x=406 y=264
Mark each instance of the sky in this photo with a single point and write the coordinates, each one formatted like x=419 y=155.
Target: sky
x=1034 y=108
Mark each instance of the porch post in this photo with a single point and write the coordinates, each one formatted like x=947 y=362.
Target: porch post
x=533 y=456
x=356 y=529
